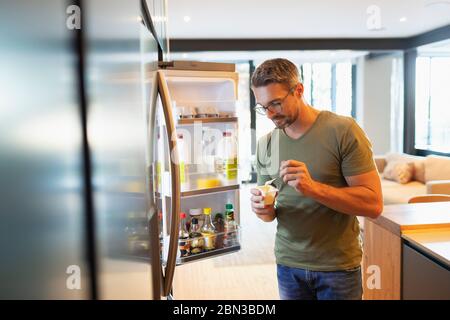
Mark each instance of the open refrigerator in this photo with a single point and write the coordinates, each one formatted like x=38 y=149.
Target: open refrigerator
x=192 y=132
x=144 y=175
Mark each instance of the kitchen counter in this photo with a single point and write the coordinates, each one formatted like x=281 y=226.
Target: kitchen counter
x=426 y=226
x=400 y=218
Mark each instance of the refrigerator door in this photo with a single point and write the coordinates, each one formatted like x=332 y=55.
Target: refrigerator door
x=120 y=53
x=167 y=180
x=43 y=212
x=186 y=148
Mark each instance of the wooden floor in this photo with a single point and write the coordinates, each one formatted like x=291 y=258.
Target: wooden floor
x=248 y=274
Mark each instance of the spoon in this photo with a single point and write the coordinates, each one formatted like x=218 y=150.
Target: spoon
x=271 y=182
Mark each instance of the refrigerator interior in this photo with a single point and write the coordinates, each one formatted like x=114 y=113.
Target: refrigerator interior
x=203 y=107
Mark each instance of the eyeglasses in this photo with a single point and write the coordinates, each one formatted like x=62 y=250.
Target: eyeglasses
x=274 y=107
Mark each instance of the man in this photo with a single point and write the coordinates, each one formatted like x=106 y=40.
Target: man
x=323 y=166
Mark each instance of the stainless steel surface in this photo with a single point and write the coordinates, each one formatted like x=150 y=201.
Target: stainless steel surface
x=42 y=230
x=175 y=183
x=150 y=82
x=118 y=101
x=158 y=12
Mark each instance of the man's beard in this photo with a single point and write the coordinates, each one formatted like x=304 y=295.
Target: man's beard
x=287 y=121
x=282 y=124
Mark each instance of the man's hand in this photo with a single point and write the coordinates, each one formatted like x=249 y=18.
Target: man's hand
x=296 y=174
x=362 y=197
x=265 y=213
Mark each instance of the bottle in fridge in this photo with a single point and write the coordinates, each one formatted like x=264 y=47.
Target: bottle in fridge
x=196 y=240
x=208 y=230
x=231 y=227
x=219 y=224
x=183 y=155
x=226 y=164
x=183 y=238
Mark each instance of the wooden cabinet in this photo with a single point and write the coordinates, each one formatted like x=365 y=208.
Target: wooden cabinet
x=382 y=249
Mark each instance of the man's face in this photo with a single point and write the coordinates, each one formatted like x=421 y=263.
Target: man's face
x=279 y=97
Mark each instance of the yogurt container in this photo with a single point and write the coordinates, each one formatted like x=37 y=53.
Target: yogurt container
x=269 y=193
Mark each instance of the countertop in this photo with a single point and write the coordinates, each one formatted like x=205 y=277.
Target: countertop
x=425 y=225
x=399 y=218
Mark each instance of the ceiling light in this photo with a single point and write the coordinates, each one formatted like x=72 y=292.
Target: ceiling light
x=187 y=18
x=402 y=19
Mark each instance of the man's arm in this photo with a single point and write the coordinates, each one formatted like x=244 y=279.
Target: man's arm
x=363 y=196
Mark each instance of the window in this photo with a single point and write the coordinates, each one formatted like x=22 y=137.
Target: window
x=328 y=86
x=344 y=88
x=432 y=118
x=321 y=86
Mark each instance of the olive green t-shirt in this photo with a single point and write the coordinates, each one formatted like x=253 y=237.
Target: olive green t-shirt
x=310 y=235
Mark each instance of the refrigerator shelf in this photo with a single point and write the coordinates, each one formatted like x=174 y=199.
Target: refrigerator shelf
x=190 y=121
x=209 y=254
x=198 y=192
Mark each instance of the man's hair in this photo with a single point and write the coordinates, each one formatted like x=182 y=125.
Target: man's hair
x=275 y=71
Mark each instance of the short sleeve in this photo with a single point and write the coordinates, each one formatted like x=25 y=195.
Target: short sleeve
x=262 y=160
x=356 y=151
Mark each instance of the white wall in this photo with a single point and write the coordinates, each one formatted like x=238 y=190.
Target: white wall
x=373 y=105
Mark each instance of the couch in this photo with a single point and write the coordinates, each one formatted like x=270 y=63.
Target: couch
x=431 y=175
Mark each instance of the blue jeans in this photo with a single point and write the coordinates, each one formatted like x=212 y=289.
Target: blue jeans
x=302 y=284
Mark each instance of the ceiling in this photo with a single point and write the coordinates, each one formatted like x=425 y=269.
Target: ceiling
x=232 y=19
x=304 y=19
x=259 y=56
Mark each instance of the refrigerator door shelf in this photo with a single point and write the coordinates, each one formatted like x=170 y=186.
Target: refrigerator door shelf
x=193 y=121
x=203 y=192
x=219 y=251
x=208 y=254
x=203 y=110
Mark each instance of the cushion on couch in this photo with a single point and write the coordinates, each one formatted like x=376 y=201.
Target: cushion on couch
x=437 y=168
x=399 y=171
x=433 y=168
x=417 y=161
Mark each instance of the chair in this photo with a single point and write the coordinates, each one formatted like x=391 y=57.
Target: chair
x=430 y=198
